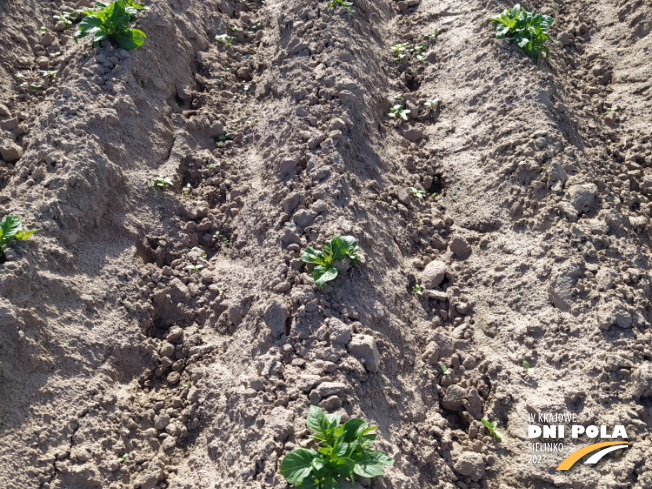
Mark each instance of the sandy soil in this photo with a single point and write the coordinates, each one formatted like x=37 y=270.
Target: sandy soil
x=180 y=327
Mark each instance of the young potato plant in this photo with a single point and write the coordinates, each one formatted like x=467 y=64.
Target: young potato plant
x=111 y=22
x=342 y=3
x=418 y=194
x=398 y=112
x=11 y=229
x=68 y=18
x=401 y=50
x=224 y=39
x=491 y=426
x=431 y=105
x=430 y=37
x=161 y=183
x=335 y=249
x=343 y=453
x=528 y=30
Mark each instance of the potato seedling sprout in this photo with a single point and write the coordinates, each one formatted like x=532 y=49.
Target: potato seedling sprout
x=398 y=112
x=400 y=50
x=526 y=364
x=528 y=30
x=11 y=229
x=337 y=248
x=432 y=104
x=418 y=194
x=342 y=3
x=160 y=183
x=491 y=426
x=111 y=23
x=224 y=39
x=342 y=453
x=418 y=289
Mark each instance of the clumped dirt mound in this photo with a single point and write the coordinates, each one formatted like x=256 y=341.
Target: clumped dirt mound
x=174 y=339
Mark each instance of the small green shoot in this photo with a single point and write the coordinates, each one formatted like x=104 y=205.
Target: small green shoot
x=398 y=112
x=343 y=453
x=418 y=194
x=11 y=229
x=444 y=369
x=161 y=183
x=225 y=39
x=492 y=428
x=342 y=3
x=223 y=138
x=418 y=289
x=226 y=241
x=400 y=50
x=432 y=104
x=430 y=36
x=526 y=364
x=68 y=18
x=187 y=189
x=49 y=73
x=194 y=268
x=123 y=458
x=335 y=249
x=528 y=30
x=111 y=23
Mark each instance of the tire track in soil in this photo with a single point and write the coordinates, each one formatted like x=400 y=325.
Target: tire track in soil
x=404 y=403
x=518 y=298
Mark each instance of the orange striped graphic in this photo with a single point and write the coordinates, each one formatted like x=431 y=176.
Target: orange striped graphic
x=575 y=456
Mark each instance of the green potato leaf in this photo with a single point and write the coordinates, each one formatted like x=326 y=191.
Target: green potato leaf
x=322 y=275
x=368 y=466
x=24 y=235
x=11 y=229
x=311 y=255
x=330 y=483
x=316 y=420
x=310 y=482
x=382 y=458
x=131 y=39
x=352 y=428
x=10 y=226
x=297 y=465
